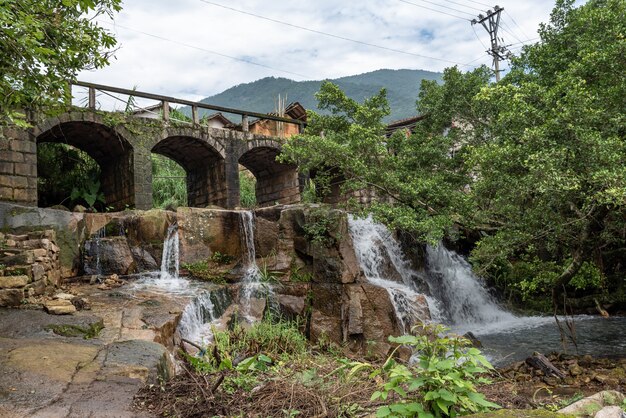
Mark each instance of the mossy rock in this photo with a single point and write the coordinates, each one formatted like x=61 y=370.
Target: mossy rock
x=521 y=413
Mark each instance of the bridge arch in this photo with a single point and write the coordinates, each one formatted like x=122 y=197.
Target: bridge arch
x=203 y=160
x=275 y=182
x=111 y=148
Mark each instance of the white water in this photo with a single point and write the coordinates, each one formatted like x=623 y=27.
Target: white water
x=384 y=265
x=201 y=315
x=167 y=280
x=466 y=303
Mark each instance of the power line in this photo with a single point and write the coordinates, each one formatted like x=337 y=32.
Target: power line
x=477 y=2
x=207 y=50
x=520 y=28
x=333 y=35
x=438 y=5
x=434 y=10
x=508 y=30
x=479 y=40
x=463 y=5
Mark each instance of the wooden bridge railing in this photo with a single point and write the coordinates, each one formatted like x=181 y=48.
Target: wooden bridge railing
x=166 y=100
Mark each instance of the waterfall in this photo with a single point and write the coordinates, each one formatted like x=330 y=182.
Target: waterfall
x=385 y=265
x=168 y=279
x=464 y=298
x=252 y=286
x=203 y=313
x=251 y=276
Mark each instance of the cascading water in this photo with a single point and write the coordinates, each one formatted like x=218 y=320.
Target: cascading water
x=251 y=285
x=384 y=265
x=202 y=314
x=465 y=302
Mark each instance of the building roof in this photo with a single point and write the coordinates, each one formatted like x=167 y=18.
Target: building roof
x=218 y=116
x=406 y=124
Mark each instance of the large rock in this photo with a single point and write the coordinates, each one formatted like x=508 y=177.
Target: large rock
x=205 y=231
x=594 y=402
x=69 y=228
x=369 y=316
x=144 y=260
x=108 y=256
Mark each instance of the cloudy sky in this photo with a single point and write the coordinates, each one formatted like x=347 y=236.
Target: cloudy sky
x=192 y=49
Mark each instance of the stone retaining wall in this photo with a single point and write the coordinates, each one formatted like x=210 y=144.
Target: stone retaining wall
x=29 y=265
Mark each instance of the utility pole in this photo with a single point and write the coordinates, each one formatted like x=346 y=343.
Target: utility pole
x=491 y=22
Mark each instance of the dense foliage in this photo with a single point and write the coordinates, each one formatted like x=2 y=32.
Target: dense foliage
x=43 y=45
x=535 y=163
x=169 y=185
x=67 y=176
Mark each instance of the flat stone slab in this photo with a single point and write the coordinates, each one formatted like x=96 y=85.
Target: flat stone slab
x=43 y=374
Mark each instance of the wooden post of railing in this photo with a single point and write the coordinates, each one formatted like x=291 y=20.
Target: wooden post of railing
x=166 y=110
x=194 y=115
x=92 y=98
x=301 y=128
x=244 y=123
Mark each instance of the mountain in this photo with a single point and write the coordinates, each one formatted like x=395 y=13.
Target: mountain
x=260 y=96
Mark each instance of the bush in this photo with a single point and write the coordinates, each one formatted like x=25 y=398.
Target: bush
x=439 y=384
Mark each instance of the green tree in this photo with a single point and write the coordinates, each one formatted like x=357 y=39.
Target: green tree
x=536 y=162
x=43 y=45
x=418 y=180
x=551 y=165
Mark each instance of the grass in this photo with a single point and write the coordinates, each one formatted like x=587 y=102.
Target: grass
x=203 y=271
x=268 y=369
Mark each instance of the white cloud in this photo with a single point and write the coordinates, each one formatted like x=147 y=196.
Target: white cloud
x=165 y=67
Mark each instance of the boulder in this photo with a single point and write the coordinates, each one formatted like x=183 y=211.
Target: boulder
x=204 y=231
x=108 y=256
x=292 y=305
x=610 y=412
x=594 y=402
x=144 y=260
x=265 y=236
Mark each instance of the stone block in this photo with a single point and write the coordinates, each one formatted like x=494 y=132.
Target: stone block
x=23 y=145
x=23 y=257
x=14 y=182
x=25 y=169
x=36 y=288
x=11 y=297
x=6 y=193
x=6 y=167
x=12 y=156
x=38 y=272
x=59 y=307
x=40 y=252
x=25 y=195
x=13 y=282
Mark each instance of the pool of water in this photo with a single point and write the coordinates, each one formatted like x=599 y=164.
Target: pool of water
x=514 y=340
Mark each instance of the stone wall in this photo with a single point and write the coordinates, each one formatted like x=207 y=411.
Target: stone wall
x=29 y=266
x=122 y=147
x=18 y=166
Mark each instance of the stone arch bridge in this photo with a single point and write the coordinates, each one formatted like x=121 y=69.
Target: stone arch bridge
x=122 y=145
